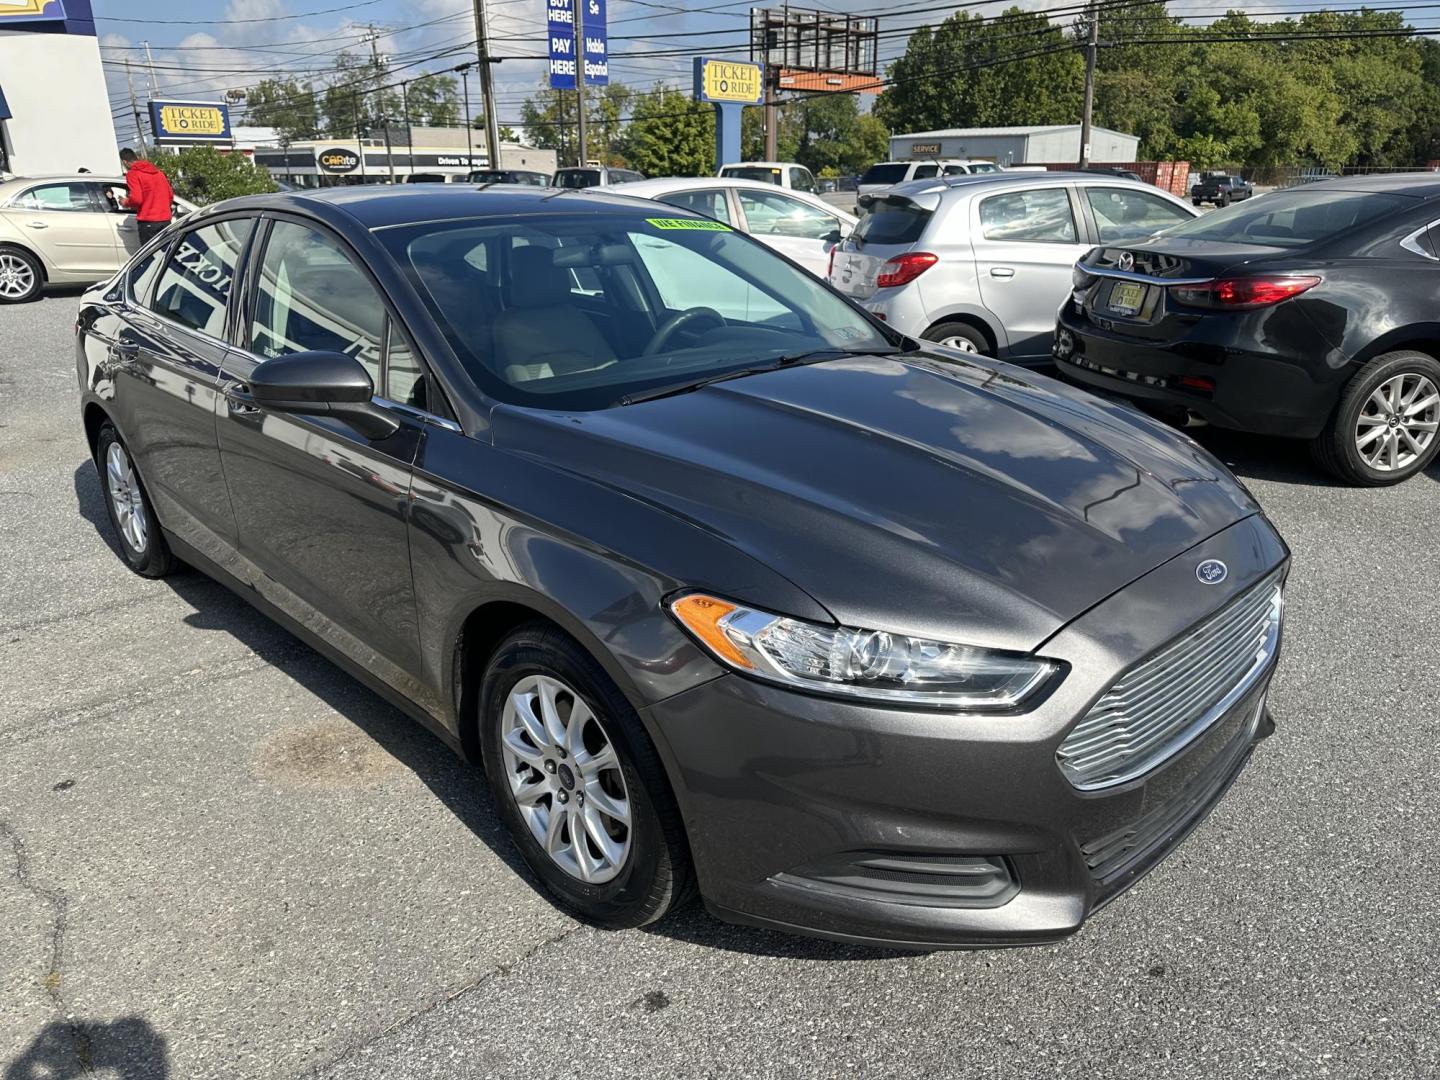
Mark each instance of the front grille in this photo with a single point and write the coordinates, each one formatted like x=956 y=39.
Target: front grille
x=1166 y=701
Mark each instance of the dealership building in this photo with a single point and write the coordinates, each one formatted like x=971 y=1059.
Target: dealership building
x=54 y=107
x=1041 y=145
x=431 y=152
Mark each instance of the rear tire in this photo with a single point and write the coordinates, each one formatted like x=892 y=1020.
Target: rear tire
x=128 y=507
x=1223 y=201
x=540 y=782
x=1356 y=445
x=21 y=276
x=959 y=336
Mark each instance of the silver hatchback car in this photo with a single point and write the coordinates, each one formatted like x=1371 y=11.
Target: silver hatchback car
x=982 y=263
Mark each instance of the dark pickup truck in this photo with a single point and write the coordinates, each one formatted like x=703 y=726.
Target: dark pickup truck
x=1220 y=189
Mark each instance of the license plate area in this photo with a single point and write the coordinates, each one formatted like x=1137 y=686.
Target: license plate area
x=1126 y=298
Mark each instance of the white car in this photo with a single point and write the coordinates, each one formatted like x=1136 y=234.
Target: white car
x=786 y=174
x=64 y=230
x=803 y=227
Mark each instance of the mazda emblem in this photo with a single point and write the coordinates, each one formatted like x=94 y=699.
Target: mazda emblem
x=1126 y=261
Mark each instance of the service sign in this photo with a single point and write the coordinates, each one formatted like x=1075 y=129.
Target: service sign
x=931 y=148
x=564 y=55
x=190 y=121
x=729 y=81
x=12 y=11
x=337 y=160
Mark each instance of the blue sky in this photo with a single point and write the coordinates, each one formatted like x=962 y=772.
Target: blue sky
x=234 y=43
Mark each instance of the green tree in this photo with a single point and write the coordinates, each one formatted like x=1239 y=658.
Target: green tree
x=670 y=134
x=549 y=121
x=353 y=101
x=433 y=100
x=204 y=175
x=835 y=137
x=289 y=106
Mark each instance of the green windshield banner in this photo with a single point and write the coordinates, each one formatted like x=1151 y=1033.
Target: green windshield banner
x=688 y=223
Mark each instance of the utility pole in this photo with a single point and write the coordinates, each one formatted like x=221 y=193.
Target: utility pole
x=150 y=63
x=409 y=135
x=135 y=110
x=464 y=70
x=578 y=7
x=1092 y=46
x=772 y=136
x=487 y=86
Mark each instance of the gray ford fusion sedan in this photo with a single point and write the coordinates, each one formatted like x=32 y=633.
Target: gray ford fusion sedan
x=727 y=586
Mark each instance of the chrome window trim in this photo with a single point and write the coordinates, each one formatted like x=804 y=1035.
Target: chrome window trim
x=1144 y=279
x=1412 y=242
x=1186 y=736
x=417 y=414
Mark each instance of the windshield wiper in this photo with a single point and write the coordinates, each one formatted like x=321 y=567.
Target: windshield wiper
x=814 y=356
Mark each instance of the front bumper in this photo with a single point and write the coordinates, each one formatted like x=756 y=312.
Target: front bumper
x=782 y=791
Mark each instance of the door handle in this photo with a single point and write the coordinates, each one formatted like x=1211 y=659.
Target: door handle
x=1002 y=272
x=36 y=225
x=237 y=397
x=123 y=353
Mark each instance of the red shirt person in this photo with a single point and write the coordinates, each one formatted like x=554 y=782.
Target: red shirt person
x=148 y=193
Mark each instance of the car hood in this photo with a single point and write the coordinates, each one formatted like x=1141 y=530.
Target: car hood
x=929 y=495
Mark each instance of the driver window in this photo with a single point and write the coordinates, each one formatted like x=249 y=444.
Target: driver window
x=686 y=279
x=772 y=214
x=1126 y=214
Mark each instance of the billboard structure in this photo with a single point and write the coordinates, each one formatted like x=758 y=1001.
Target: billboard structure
x=815 y=51
x=190 y=122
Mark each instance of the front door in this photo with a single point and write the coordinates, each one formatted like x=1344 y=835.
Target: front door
x=70 y=228
x=322 y=510
x=791 y=226
x=1026 y=244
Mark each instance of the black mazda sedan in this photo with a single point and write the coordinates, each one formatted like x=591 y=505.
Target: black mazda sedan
x=1309 y=314
x=728 y=587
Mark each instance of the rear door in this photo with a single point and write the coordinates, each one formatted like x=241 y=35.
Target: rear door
x=66 y=223
x=804 y=232
x=321 y=509
x=168 y=371
x=1026 y=242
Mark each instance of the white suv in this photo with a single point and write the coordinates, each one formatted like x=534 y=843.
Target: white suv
x=982 y=263
x=785 y=174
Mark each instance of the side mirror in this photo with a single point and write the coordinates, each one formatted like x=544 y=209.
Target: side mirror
x=321 y=384
x=834 y=236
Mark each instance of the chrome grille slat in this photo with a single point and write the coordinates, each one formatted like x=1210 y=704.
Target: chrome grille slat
x=1164 y=702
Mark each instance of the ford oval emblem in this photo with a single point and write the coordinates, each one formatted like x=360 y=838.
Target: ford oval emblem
x=1126 y=261
x=1212 y=572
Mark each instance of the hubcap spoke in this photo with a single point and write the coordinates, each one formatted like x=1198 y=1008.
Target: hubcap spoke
x=604 y=803
x=519 y=745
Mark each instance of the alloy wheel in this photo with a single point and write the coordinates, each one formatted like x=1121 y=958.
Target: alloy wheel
x=1398 y=422
x=125 y=498
x=959 y=344
x=565 y=778
x=17 y=276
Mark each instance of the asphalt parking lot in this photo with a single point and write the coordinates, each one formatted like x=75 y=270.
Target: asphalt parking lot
x=221 y=857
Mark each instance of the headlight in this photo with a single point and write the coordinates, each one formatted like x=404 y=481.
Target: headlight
x=860 y=663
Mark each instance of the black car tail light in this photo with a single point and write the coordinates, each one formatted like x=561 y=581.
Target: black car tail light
x=1243 y=293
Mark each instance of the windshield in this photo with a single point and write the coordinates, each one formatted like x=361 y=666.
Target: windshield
x=575 y=311
x=889 y=173
x=1290 y=218
x=752 y=172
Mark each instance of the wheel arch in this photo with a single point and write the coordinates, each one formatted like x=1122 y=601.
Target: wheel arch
x=94 y=417
x=1420 y=337
x=25 y=249
x=972 y=320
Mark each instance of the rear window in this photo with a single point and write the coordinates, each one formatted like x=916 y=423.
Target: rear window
x=892 y=221
x=577 y=178
x=1291 y=218
x=890 y=173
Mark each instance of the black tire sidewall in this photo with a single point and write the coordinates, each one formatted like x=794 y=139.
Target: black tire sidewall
x=1336 y=446
x=644 y=887
x=154 y=559
x=36 y=270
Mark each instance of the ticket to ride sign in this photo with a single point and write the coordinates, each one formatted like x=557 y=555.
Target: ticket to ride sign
x=190 y=121
x=729 y=81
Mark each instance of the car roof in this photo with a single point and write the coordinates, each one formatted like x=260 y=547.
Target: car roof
x=665 y=185
x=763 y=165
x=1004 y=180
x=378 y=206
x=1422 y=185
x=59 y=178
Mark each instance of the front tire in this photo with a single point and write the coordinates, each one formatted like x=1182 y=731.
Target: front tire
x=578 y=783
x=1384 y=429
x=128 y=506
x=21 y=276
x=958 y=335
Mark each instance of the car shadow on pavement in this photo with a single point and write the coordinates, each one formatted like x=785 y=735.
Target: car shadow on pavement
x=458 y=785
x=125 y=1049
x=1284 y=461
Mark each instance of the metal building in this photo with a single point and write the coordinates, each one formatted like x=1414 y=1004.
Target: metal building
x=1039 y=145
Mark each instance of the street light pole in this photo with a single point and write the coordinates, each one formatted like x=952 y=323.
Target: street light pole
x=1091 y=48
x=578 y=7
x=464 y=70
x=135 y=110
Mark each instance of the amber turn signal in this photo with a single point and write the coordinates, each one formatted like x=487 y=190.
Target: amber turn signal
x=701 y=615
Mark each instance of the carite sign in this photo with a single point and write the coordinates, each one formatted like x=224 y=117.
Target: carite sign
x=190 y=121
x=729 y=80
x=564 y=53
x=337 y=160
